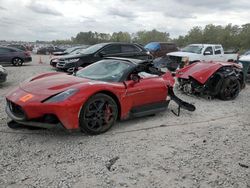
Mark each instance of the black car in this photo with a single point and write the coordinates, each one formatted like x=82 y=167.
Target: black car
x=49 y=50
x=99 y=51
x=69 y=50
x=14 y=56
x=3 y=74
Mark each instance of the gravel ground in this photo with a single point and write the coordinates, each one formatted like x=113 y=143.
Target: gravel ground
x=207 y=148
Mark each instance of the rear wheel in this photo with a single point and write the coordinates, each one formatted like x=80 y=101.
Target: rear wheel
x=98 y=114
x=230 y=88
x=17 y=61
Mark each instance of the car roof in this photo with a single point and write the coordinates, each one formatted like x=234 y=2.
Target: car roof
x=107 y=43
x=131 y=60
x=205 y=44
x=10 y=48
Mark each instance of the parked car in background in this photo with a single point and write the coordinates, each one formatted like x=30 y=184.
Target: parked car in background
x=247 y=52
x=18 y=46
x=49 y=50
x=69 y=50
x=55 y=59
x=160 y=49
x=9 y=55
x=3 y=74
x=245 y=62
x=199 y=52
x=99 y=51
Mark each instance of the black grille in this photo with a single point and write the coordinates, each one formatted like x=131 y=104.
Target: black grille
x=61 y=63
x=16 y=109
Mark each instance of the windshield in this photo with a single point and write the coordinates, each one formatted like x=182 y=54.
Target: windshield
x=92 y=49
x=192 y=49
x=69 y=50
x=105 y=70
x=76 y=51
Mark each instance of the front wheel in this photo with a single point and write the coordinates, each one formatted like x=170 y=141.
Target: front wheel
x=17 y=61
x=98 y=114
x=230 y=88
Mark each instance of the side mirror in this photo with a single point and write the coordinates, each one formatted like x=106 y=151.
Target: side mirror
x=135 y=78
x=207 y=53
x=102 y=54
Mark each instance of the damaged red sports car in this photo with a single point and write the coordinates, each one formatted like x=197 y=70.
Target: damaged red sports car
x=93 y=98
x=223 y=80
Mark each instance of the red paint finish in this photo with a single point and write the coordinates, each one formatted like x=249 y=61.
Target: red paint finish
x=202 y=71
x=129 y=94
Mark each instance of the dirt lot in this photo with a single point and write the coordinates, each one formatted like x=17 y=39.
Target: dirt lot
x=207 y=148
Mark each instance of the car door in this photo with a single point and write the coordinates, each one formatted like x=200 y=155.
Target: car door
x=133 y=51
x=112 y=50
x=5 y=55
x=218 y=55
x=208 y=54
x=147 y=91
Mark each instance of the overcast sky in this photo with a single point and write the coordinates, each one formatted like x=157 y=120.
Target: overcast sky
x=31 y=20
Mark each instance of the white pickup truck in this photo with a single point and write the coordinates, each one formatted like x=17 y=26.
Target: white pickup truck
x=199 y=52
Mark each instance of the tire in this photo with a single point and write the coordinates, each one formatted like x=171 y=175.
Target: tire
x=98 y=114
x=230 y=88
x=17 y=61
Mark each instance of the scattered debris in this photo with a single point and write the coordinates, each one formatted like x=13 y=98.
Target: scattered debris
x=111 y=162
x=243 y=165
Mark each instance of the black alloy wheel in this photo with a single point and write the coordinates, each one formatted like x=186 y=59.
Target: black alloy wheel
x=17 y=61
x=230 y=88
x=98 y=114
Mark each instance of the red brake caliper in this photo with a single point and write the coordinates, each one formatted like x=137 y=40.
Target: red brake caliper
x=107 y=113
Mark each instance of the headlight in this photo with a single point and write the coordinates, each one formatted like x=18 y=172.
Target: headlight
x=55 y=60
x=61 y=96
x=71 y=60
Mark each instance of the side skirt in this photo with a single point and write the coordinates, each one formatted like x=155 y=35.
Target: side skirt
x=149 y=109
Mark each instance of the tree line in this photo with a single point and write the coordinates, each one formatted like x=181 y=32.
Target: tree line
x=230 y=36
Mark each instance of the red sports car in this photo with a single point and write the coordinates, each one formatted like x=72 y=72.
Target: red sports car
x=93 y=98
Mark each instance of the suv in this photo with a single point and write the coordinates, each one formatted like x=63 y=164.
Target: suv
x=49 y=50
x=160 y=49
x=13 y=55
x=99 y=51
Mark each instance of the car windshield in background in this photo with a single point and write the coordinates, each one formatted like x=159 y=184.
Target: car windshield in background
x=76 y=51
x=153 y=46
x=247 y=53
x=192 y=49
x=92 y=49
x=69 y=50
x=105 y=70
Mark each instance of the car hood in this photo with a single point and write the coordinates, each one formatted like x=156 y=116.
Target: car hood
x=200 y=71
x=52 y=84
x=245 y=58
x=182 y=54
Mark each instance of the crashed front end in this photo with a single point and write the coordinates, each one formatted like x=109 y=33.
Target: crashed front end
x=207 y=78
